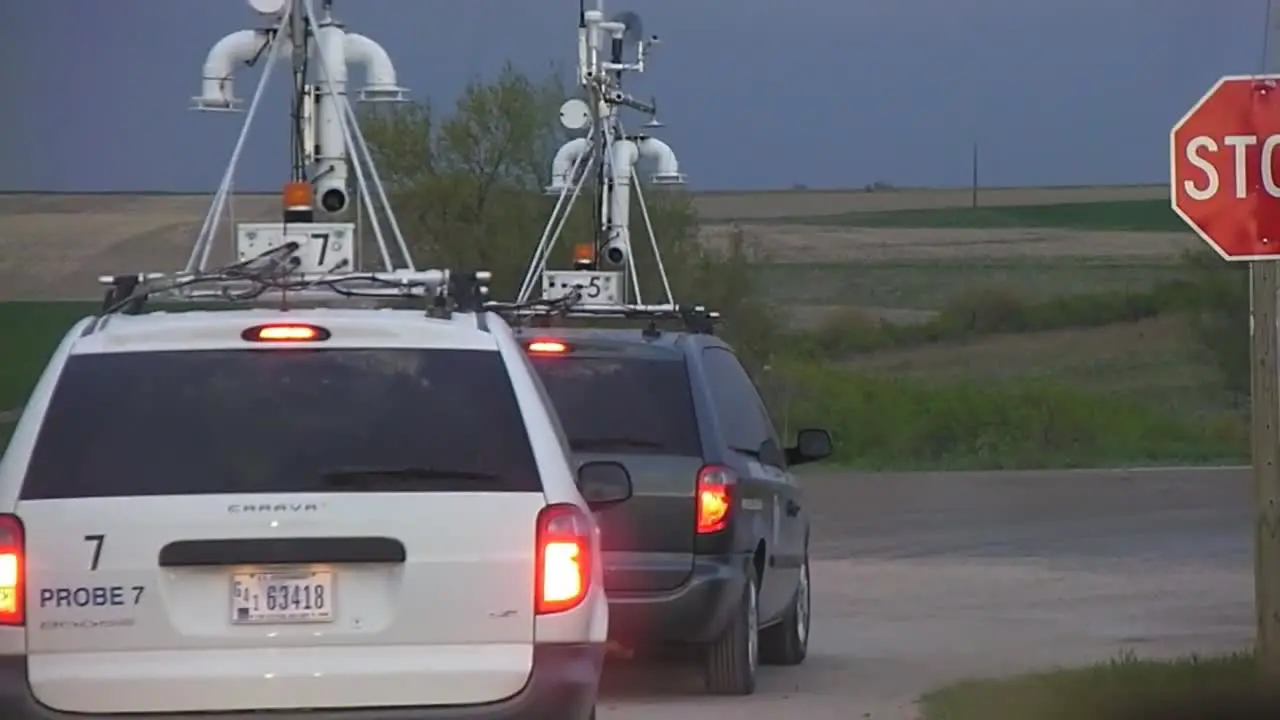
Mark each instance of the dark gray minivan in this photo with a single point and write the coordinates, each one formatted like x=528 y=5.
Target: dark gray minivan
x=711 y=550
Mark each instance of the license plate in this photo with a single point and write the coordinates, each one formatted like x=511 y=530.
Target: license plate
x=299 y=596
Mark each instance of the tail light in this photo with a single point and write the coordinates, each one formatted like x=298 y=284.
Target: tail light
x=547 y=347
x=715 y=498
x=13 y=570
x=565 y=534
x=284 y=333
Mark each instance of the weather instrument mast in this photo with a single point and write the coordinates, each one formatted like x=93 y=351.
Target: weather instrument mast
x=604 y=275
x=313 y=250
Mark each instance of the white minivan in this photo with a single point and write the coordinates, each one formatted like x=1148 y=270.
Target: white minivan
x=331 y=514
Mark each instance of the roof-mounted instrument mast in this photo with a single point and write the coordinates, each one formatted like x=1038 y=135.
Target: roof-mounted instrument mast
x=604 y=273
x=302 y=256
x=327 y=145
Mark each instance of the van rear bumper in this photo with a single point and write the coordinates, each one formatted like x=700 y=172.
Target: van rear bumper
x=696 y=613
x=562 y=686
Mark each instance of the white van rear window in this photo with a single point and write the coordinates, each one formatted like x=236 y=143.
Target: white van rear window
x=282 y=421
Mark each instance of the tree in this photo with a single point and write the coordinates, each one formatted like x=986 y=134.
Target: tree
x=468 y=192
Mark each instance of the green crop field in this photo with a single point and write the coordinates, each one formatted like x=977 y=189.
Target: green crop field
x=41 y=325
x=1120 y=215
x=928 y=284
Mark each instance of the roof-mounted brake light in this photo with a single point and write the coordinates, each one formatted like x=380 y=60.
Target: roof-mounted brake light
x=551 y=347
x=285 y=333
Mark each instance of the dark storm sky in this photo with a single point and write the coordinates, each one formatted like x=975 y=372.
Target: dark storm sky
x=832 y=93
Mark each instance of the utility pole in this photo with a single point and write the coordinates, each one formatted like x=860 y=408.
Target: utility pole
x=1264 y=288
x=1264 y=282
x=974 y=184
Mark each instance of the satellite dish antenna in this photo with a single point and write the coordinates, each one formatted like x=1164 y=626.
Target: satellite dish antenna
x=575 y=114
x=268 y=7
x=635 y=28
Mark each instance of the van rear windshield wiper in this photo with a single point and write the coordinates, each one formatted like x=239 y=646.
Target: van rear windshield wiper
x=358 y=477
x=605 y=443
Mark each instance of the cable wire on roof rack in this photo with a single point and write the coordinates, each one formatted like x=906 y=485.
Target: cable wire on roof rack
x=274 y=270
x=696 y=318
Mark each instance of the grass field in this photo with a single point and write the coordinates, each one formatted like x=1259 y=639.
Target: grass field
x=1117 y=215
x=1225 y=688
x=718 y=206
x=41 y=326
x=928 y=285
x=1149 y=362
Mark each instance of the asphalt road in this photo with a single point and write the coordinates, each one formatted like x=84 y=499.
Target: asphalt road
x=923 y=579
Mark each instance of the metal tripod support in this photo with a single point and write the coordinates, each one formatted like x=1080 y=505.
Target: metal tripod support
x=323 y=38
x=299 y=258
x=606 y=155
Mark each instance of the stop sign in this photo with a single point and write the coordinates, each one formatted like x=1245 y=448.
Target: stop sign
x=1226 y=170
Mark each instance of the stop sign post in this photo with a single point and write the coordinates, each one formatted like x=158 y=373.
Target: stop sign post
x=1225 y=179
x=1225 y=157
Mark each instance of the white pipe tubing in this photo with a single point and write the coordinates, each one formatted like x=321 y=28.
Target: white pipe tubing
x=217 y=87
x=622 y=164
x=333 y=157
x=565 y=161
x=379 y=72
x=666 y=166
x=552 y=230
x=332 y=70
x=593 y=18
x=204 y=242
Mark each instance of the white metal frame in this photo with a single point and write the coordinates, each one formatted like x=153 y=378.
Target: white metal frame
x=280 y=268
x=600 y=80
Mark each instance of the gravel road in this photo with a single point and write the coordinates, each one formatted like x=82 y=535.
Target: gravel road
x=923 y=579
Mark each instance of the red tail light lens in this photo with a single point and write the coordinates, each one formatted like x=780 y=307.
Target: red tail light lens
x=564 y=558
x=13 y=570
x=715 y=498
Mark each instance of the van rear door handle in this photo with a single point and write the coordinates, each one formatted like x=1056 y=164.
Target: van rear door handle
x=793 y=508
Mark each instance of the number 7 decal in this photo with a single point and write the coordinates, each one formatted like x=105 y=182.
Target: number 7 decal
x=97 y=541
x=324 y=246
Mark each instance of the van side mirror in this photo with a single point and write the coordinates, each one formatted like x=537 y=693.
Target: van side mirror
x=812 y=444
x=771 y=454
x=603 y=483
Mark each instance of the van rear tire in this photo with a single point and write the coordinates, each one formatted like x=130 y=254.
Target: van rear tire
x=733 y=659
x=787 y=641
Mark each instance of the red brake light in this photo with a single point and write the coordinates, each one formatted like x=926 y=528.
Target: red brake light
x=715 y=499
x=564 y=558
x=547 y=346
x=285 y=333
x=13 y=571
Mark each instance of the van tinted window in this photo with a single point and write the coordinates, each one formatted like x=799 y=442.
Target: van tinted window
x=622 y=405
x=281 y=421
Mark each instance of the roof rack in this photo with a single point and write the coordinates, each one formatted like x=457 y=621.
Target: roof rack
x=695 y=319
x=276 y=276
